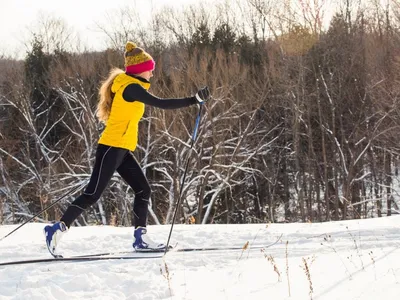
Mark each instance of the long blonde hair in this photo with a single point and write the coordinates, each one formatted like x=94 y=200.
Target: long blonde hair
x=106 y=96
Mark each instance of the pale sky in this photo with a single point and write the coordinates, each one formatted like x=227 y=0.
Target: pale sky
x=16 y=16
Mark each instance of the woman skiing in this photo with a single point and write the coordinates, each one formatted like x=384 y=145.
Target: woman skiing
x=123 y=96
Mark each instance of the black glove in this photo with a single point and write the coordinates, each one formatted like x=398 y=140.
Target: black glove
x=203 y=95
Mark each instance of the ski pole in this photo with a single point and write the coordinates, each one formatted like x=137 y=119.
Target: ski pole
x=43 y=210
x=194 y=135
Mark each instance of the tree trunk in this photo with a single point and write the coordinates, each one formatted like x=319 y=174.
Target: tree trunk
x=388 y=182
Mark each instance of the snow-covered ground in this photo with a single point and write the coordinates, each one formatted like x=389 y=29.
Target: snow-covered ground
x=357 y=259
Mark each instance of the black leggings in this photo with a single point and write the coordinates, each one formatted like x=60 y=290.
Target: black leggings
x=108 y=160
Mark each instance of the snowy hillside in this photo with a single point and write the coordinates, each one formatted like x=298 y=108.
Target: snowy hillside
x=357 y=259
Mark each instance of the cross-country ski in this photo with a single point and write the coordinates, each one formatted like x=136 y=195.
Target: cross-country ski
x=129 y=255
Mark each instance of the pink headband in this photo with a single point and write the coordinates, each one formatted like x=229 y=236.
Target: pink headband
x=142 y=67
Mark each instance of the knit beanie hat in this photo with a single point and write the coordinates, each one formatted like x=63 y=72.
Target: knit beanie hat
x=137 y=60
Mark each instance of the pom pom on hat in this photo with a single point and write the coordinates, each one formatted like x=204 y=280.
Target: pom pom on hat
x=137 y=60
x=130 y=46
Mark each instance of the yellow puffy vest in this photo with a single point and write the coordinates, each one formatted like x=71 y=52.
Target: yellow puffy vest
x=121 y=129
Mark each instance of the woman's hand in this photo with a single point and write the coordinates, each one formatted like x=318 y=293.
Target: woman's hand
x=203 y=95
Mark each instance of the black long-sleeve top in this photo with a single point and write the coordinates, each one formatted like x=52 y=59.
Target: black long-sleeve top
x=135 y=92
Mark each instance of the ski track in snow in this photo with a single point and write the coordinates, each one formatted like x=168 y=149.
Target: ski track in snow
x=357 y=259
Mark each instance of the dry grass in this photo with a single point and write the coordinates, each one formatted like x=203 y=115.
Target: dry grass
x=306 y=267
x=271 y=259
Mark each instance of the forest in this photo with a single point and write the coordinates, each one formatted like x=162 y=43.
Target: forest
x=302 y=126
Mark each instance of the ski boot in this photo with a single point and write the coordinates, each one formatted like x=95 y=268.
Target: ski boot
x=142 y=243
x=53 y=235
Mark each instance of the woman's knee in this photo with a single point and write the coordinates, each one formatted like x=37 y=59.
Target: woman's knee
x=84 y=201
x=144 y=193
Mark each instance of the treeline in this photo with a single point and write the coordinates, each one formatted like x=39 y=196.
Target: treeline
x=303 y=124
